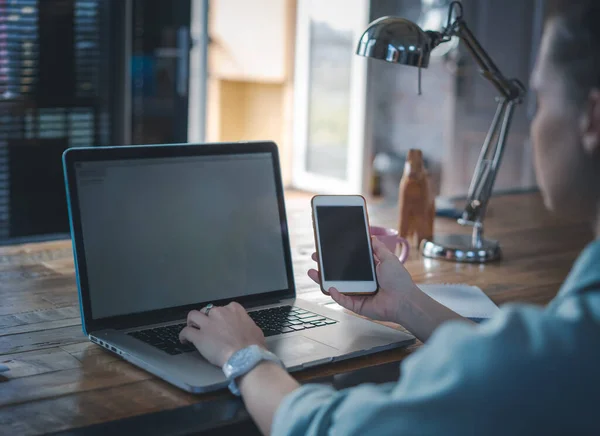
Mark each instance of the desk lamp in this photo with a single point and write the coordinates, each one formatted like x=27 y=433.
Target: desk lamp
x=401 y=41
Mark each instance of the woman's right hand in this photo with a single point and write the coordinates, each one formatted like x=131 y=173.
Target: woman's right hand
x=396 y=288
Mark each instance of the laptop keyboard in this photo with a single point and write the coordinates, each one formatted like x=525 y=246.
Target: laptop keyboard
x=287 y=319
x=272 y=321
x=164 y=338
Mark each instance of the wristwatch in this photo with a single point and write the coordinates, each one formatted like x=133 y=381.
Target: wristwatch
x=243 y=361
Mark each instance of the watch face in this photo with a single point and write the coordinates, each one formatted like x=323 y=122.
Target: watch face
x=239 y=360
x=243 y=357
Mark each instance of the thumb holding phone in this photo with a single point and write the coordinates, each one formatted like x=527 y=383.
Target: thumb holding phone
x=396 y=287
x=398 y=299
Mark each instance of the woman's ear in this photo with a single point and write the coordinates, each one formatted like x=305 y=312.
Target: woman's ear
x=590 y=123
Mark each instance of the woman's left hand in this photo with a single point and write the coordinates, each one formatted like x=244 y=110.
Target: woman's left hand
x=224 y=331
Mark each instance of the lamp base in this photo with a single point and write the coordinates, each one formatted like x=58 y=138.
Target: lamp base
x=460 y=248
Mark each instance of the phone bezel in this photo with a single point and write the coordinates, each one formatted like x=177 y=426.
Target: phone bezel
x=345 y=287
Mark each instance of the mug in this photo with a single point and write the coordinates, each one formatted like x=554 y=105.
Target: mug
x=390 y=238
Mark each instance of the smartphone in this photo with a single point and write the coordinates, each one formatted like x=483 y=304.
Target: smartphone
x=342 y=238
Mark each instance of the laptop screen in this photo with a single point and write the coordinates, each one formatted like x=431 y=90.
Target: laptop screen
x=167 y=232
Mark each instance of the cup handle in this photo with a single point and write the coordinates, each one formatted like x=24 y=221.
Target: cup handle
x=405 y=249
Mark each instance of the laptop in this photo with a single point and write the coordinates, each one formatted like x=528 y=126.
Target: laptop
x=160 y=230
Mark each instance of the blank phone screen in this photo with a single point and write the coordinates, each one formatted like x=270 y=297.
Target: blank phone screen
x=344 y=243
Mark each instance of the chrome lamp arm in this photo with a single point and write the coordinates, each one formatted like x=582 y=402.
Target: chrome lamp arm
x=511 y=92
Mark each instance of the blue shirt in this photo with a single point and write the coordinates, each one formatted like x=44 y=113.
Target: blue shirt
x=529 y=370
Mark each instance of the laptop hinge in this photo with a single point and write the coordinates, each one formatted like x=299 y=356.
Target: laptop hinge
x=263 y=302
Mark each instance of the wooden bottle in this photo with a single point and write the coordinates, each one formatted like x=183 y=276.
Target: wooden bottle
x=416 y=202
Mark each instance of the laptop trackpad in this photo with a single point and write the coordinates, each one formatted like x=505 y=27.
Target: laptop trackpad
x=295 y=350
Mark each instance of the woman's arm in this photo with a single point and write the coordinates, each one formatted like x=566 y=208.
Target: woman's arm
x=398 y=300
x=422 y=315
x=229 y=329
x=263 y=390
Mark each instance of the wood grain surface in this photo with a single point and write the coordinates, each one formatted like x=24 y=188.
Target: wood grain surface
x=59 y=381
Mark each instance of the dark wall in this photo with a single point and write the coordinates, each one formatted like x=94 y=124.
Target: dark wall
x=53 y=97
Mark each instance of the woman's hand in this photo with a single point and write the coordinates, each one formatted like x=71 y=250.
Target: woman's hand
x=224 y=331
x=395 y=287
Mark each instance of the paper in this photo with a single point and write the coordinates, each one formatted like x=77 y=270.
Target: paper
x=467 y=301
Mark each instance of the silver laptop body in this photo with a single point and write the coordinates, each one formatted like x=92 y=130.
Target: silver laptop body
x=160 y=230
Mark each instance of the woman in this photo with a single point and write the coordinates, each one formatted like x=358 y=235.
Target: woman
x=530 y=370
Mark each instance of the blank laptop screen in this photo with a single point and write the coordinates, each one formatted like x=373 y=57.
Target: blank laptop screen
x=167 y=232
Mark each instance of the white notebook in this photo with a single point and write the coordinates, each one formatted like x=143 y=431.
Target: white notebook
x=468 y=301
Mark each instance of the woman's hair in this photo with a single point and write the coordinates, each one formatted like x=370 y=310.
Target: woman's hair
x=575 y=48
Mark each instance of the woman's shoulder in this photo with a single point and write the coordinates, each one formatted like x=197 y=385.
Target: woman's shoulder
x=584 y=277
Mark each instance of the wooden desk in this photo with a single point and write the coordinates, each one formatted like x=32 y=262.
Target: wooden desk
x=58 y=380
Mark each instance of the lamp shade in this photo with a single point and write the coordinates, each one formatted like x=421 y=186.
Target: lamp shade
x=396 y=40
